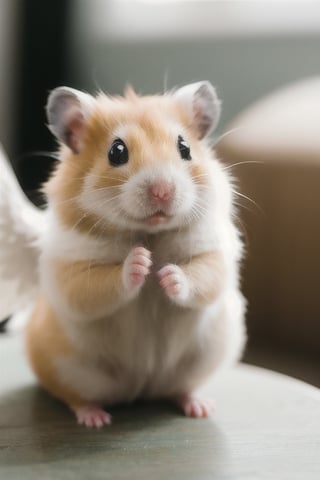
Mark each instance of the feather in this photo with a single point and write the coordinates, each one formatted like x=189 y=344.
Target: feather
x=21 y=224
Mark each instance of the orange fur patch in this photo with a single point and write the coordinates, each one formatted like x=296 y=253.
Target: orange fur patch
x=46 y=341
x=89 y=287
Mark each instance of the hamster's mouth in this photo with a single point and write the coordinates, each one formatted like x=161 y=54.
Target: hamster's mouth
x=158 y=218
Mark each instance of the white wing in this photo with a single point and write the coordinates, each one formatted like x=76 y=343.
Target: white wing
x=20 y=226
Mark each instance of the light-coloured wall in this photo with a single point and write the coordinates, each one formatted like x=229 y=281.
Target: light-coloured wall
x=244 y=56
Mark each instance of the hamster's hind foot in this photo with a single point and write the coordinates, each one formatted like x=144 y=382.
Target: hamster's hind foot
x=92 y=416
x=196 y=407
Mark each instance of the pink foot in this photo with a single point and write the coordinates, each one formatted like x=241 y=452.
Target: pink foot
x=196 y=407
x=92 y=416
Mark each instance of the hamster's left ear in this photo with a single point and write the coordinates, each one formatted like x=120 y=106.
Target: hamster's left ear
x=201 y=105
x=67 y=112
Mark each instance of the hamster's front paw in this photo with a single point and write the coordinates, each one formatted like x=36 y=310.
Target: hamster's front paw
x=174 y=282
x=136 y=267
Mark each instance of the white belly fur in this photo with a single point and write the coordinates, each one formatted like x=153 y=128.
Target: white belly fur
x=147 y=351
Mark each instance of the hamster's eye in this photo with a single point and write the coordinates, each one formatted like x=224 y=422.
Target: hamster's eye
x=184 y=148
x=118 y=153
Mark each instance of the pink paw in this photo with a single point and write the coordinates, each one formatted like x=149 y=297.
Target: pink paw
x=174 y=282
x=136 y=267
x=196 y=407
x=92 y=416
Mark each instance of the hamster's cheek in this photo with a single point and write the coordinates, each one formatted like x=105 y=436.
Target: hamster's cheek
x=186 y=193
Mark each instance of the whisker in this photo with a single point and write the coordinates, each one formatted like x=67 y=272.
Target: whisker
x=39 y=153
x=246 y=162
x=106 y=189
x=78 y=221
x=243 y=231
x=245 y=197
x=198 y=211
x=225 y=134
x=94 y=226
x=108 y=177
x=240 y=206
x=201 y=175
x=88 y=196
x=100 y=177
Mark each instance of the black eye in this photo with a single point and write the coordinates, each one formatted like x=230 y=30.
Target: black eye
x=184 y=148
x=118 y=153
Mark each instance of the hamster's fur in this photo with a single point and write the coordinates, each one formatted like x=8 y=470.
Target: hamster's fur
x=139 y=265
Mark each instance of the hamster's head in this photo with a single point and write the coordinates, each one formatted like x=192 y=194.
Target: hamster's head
x=133 y=163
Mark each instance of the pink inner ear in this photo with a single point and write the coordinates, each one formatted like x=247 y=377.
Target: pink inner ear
x=74 y=130
x=202 y=119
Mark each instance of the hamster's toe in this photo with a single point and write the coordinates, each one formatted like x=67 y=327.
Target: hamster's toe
x=92 y=416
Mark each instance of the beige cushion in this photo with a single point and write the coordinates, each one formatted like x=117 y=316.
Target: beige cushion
x=282 y=271
x=284 y=124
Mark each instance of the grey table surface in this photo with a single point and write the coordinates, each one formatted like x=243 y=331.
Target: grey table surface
x=267 y=426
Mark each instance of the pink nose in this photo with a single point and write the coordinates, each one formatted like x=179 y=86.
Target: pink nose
x=161 y=191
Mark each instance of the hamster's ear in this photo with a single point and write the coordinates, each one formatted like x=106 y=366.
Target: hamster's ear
x=202 y=106
x=67 y=112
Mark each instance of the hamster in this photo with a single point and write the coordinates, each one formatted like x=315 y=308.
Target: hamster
x=139 y=266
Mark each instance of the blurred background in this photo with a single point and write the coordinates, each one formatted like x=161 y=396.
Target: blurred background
x=247 y=49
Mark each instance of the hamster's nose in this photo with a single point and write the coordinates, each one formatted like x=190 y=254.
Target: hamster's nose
x=161 y=191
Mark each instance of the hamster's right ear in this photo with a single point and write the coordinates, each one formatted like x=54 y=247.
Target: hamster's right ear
x=202 y=106
x=67 y=112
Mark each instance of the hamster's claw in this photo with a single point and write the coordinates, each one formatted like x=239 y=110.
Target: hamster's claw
x=92 y=416
x=196 y=407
